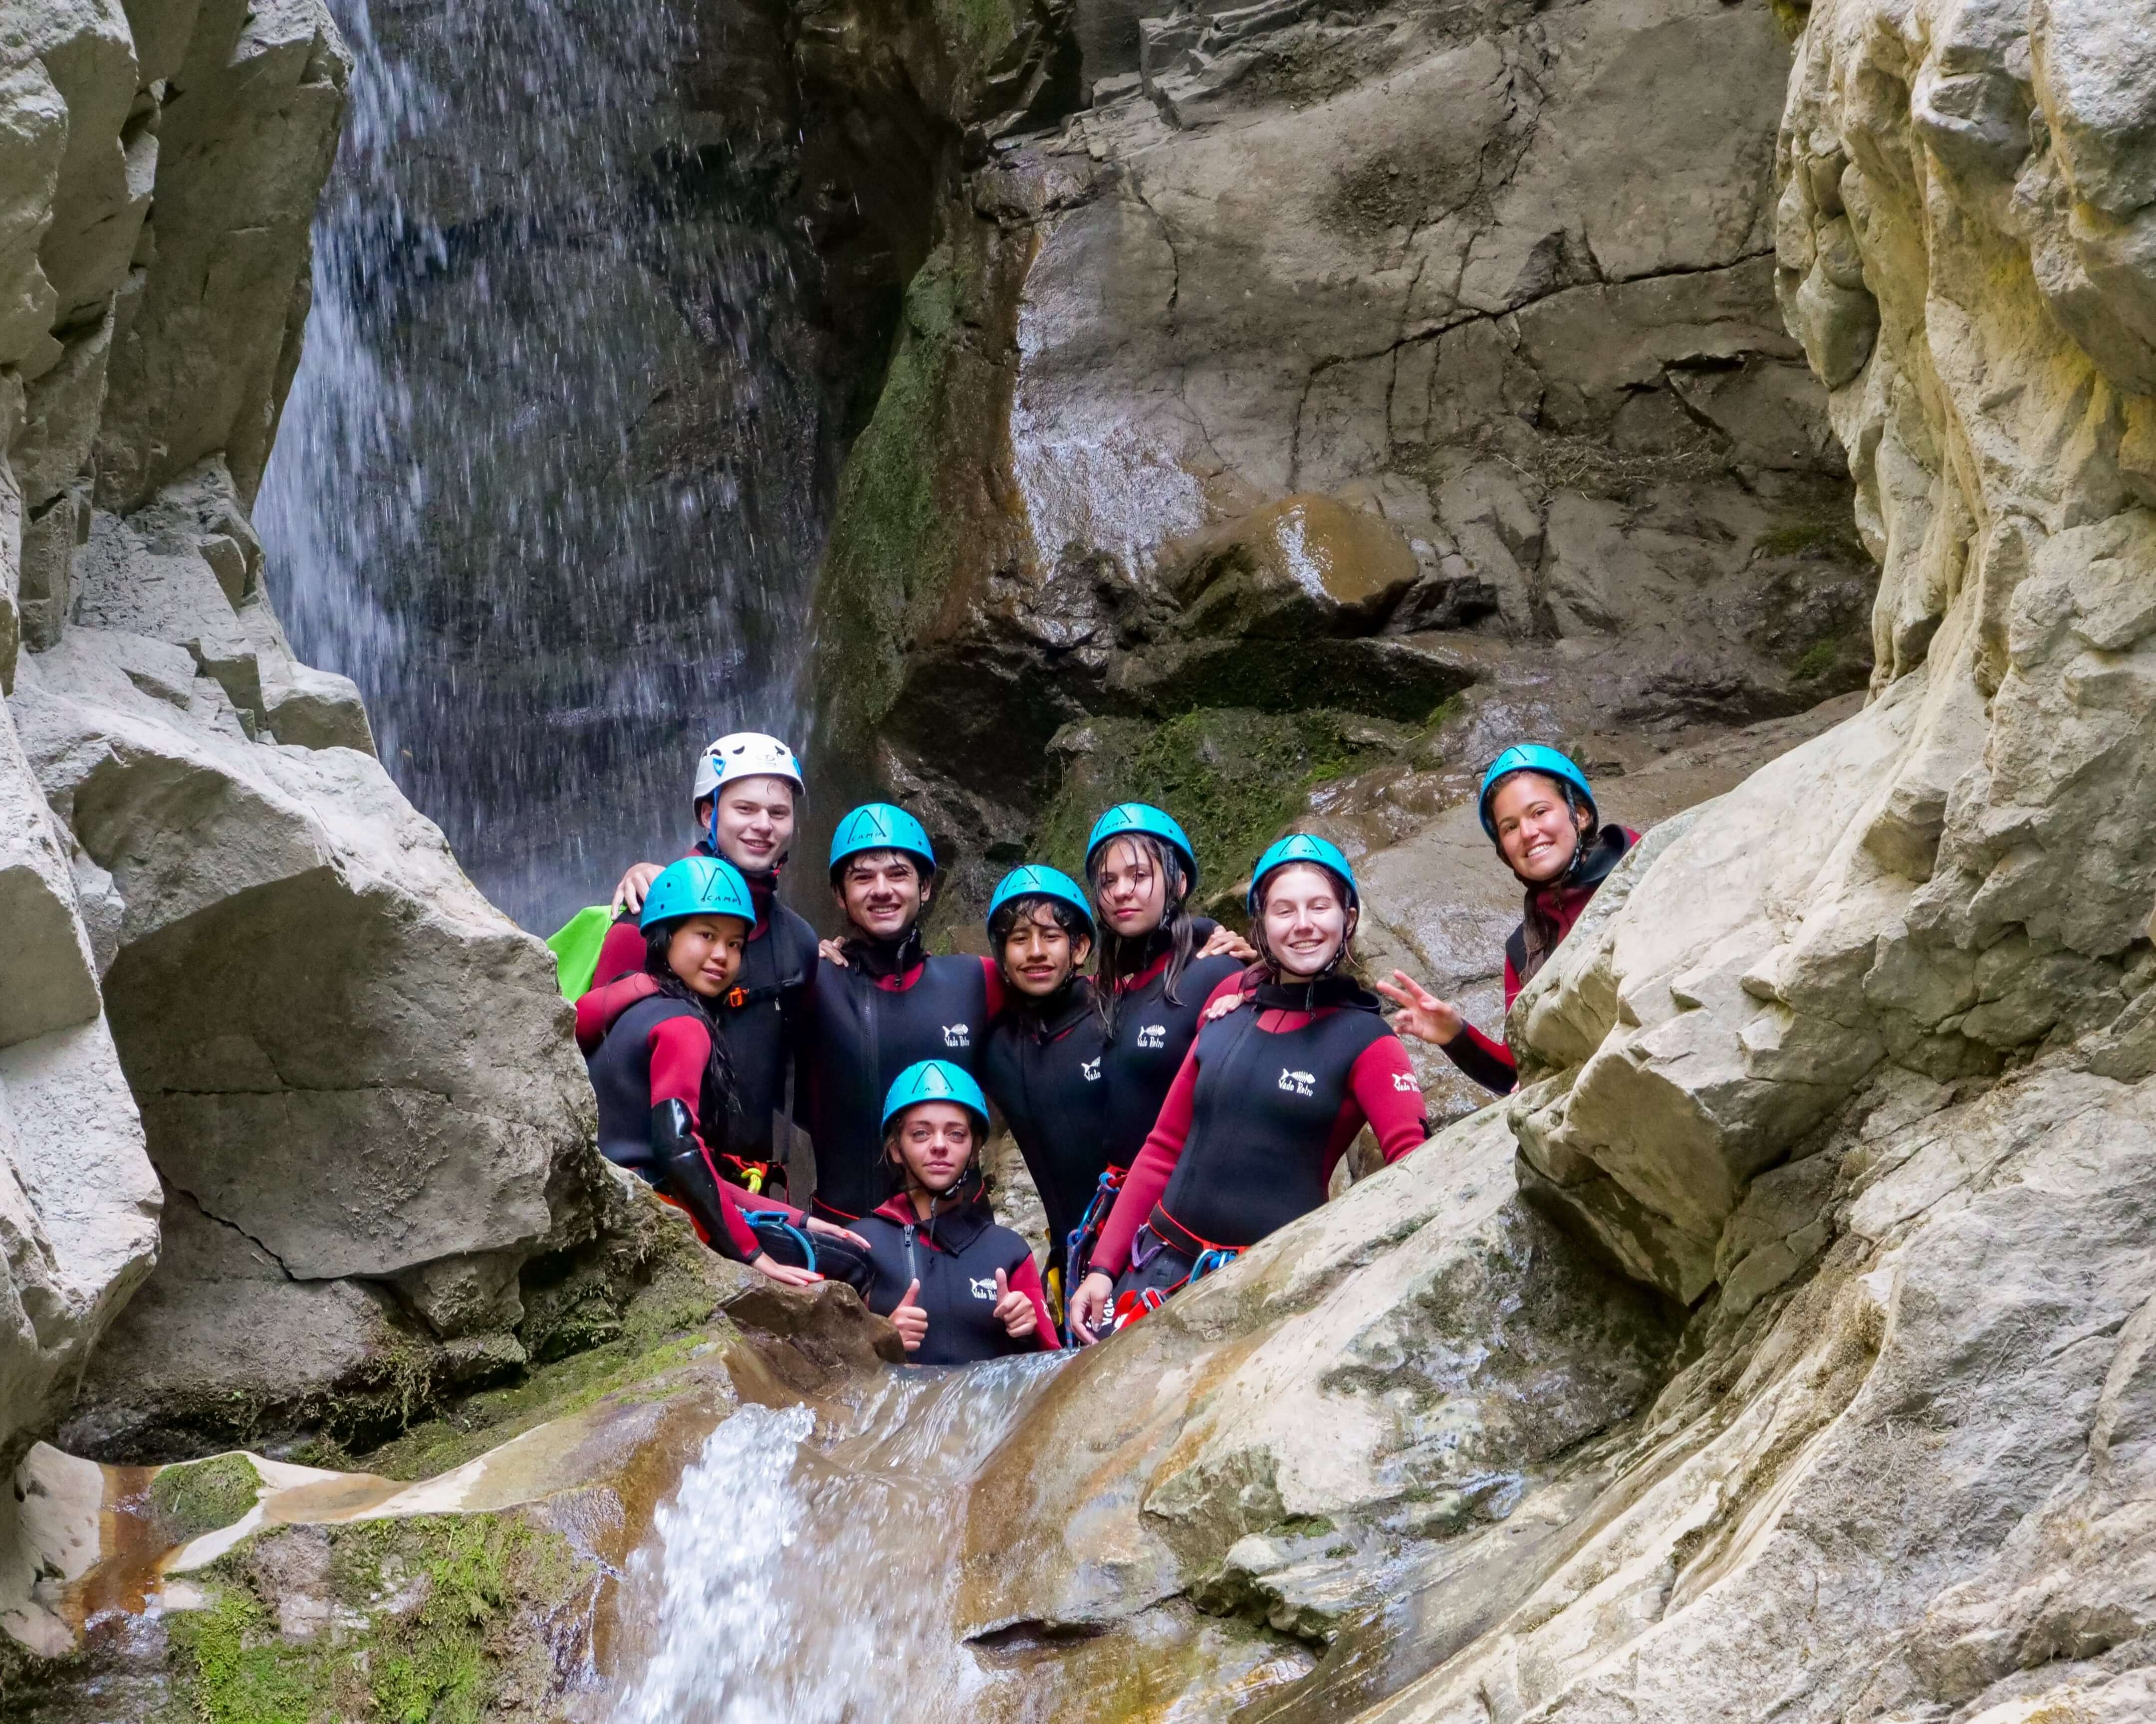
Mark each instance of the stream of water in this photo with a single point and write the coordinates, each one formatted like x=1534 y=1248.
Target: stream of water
x=806 y=1571
x=552 y=477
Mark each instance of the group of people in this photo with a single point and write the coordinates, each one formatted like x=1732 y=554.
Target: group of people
x=1178 y=1091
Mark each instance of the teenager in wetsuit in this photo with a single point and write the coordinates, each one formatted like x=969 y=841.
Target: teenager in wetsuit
x=1539 y=811
x=957 y=1287
x=660 y=1069
x=1157 y=964
x=746 y=793
x=1043 y=1065
x=1267 y=1102
x=882 y=1005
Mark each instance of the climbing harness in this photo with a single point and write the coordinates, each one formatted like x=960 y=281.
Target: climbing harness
x=1078 y=1243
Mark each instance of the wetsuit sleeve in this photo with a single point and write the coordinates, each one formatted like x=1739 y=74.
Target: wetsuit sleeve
x=1150 y=1170
x=679 y=1049
x=1384 y=1086
x=993 y=975
x=621 y=951
x=1025 y=1278
x=599 y=1007
x=1488 y=1063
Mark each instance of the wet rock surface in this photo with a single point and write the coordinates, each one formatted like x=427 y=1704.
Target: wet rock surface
x=241 y=979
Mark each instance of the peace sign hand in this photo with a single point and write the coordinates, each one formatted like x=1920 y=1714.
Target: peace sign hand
x=1422 y=1014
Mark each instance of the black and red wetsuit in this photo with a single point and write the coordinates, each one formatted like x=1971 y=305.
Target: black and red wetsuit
x=886 y=1008
x=955 y=1256
x=765 y=1014
x=1267 y=1102
x=1152 y=1035
x=645 y=1050
x=1044 y=1069
x=1488 y=1061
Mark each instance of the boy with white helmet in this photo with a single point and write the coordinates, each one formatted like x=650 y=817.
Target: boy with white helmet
x=746 y=794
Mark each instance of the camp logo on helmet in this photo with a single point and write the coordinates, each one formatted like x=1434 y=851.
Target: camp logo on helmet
x=958 y=1035
x=1297 y=1083
x=982 y=1289
x=1090 y=1069
x=1152 y=1035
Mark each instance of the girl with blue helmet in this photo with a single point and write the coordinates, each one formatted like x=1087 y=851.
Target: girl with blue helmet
x=957 y=1287
x=659 y=1068
x=1044 y=1061
x=1290 y=1061
x=1159 y=962
x=1538 y=810
x=882 y=1002
x=746 y=794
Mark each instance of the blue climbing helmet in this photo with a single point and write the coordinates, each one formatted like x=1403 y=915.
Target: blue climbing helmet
x=697 y=886
x=1128 y=817
x=935 y=1080
x=1531 y=757
x=1303 y=847
x=1034 y=880
x=878 y=826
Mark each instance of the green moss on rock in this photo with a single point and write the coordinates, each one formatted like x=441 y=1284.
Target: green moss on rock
x=438 y=1621
x=204 y=1496
x=1232 y=776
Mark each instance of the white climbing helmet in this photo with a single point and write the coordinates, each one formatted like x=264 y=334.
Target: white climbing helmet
x=745 y=754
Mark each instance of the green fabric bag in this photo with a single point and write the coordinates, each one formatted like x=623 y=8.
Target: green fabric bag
x=576 y=948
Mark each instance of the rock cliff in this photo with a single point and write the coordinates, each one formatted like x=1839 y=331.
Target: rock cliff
x=1325 y=375
x=241 y=982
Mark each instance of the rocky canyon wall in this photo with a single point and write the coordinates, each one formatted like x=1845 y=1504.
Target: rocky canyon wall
x=242 y=984
x=1337 y=390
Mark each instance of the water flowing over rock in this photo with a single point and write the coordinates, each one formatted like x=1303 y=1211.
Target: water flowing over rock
x=241 y=979
x=559 y=452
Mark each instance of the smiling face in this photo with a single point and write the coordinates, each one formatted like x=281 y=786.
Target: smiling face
x=755 y=821
x=1129 y=888
x=933 y=1141
x=882 y=893
x=1306 y=920
x=705 y=952
x=1537 y=830
x=1040 y=955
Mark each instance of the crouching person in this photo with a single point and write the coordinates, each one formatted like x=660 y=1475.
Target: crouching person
x=659 y=1067
x=957 y=1287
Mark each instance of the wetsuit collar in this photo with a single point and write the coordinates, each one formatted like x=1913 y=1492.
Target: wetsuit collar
x=1044 y=1020
x=949 y=1230
x=878 y=958
x=1325 y=993
x=1603 y=854
x=1155 y=952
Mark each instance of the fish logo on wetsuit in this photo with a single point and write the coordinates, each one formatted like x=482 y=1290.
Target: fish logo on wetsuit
x=1297 y=1083
x=1090 y=1069
x=1404 y=1080
x=1152 y=1035
x=982 y=1289
x=958 y=1035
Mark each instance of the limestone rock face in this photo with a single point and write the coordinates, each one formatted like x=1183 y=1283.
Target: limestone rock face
x=233 y=958
x=1480 y=302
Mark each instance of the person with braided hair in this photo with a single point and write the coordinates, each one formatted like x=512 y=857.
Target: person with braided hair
x=1538 y=810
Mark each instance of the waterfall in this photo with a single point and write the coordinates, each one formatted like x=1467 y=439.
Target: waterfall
x=806 y=1571
x=552 y=475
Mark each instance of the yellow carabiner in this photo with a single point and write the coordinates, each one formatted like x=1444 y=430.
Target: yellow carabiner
x=752 y=1182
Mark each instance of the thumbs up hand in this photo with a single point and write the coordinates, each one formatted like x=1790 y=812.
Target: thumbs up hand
x=1013 y=1310
x=910 y=1319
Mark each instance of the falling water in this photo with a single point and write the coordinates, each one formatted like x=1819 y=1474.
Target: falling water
x=805 y=1573
x=551 y=477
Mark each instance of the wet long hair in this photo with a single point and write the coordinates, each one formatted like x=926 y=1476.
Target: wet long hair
x=1539 y=931
x=1345 y=962
x=1120 y=958
x=715 y=1098
x=1008 y=915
